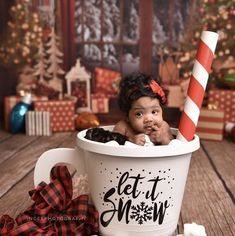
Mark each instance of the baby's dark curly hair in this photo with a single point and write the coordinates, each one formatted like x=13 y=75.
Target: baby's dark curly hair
x=134 y=86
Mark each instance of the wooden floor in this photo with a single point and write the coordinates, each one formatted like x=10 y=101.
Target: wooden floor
x=209 y=193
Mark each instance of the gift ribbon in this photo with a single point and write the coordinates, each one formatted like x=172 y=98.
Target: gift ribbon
x=53 y=211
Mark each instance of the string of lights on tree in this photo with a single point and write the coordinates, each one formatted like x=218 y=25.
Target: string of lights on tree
x=218 y=16
x=23 y=36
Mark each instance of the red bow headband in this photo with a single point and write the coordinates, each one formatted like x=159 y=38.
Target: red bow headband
x=156 y=89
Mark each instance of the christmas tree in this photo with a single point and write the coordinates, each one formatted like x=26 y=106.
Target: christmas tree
x=217 y=16
x=55 y=56
x=23 y=36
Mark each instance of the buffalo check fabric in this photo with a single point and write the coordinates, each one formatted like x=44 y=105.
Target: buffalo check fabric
x=53 y=211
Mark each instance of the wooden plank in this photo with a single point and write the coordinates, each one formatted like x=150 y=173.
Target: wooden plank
x=206 y=201
x=180 y=226
x=4 y=135
x=208 y=194
x=17 y=199
x=222 y=158
x=21 y=163
x=12 y=144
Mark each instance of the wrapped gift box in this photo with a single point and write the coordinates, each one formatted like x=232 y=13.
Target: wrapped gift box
x=99 y=103
x=11 y=101
x=106 y=81
x=175 y=96
x=61 y=114
x=210 y=124
x=38 y=123
x=225 y=100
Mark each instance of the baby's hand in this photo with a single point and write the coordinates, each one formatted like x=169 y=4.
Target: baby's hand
x=138 y=139
x=161 y=134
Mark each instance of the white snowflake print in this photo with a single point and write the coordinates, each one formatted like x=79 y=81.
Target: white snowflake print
x=141 y=213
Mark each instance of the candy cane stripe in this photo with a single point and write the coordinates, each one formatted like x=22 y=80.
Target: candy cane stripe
x=204 y=54
x=191 y=109
x=197 y=86
x=200 y=74
x=195 y=90
x=210 y=39
x=186 y=127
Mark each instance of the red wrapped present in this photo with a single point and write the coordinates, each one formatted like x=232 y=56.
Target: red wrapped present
x=11 y=101
x=99 y=103
x=210 y=124
x=106 y=81
x=225 y=100
x=62 y=114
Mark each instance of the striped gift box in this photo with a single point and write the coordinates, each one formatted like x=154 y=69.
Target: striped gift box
x=37 y=123
x=211 y=124
x=99 y=103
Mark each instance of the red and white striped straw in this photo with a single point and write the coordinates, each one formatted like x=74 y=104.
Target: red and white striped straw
x=197 y=86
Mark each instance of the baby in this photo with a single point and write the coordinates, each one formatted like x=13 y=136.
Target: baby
x=141 y=99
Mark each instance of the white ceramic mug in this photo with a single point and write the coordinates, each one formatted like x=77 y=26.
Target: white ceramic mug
x=137 y=190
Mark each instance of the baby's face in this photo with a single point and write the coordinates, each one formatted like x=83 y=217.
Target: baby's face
x=145 y=115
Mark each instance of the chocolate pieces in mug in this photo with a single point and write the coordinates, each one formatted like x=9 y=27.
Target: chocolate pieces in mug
x=104 y=136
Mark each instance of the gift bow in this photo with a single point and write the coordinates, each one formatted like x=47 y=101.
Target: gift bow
x=156 y=88
x=54 y=212
x=212 y=106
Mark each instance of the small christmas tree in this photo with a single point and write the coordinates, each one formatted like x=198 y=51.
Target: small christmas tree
x=41 y=65
x=23 y=35
x=54 y=61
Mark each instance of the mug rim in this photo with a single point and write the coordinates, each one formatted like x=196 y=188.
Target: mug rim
x=137 y=151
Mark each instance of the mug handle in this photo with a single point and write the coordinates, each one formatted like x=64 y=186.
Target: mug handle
x=73 y=156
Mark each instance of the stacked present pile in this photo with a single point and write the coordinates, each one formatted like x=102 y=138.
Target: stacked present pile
x=105 y=88
x=219 y=112
x=11 y=101
x=76 y=110
x=62 y=114
x=44 y=116
x=93 y=98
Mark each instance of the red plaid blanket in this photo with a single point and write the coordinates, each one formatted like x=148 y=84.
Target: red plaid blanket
x=53 y=211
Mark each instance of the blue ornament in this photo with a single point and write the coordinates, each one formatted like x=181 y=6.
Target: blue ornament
x=17 y=116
